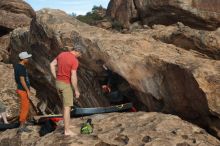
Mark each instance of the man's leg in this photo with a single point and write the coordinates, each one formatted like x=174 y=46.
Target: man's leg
x=4 y=118
x=67 y=103
x=24 y=108
x=3 y=113
x=66 y=116
x=66 y=93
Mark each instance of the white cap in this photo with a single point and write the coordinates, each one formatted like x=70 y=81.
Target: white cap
x=24 y=55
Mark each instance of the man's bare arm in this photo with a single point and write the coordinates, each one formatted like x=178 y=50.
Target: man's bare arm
x=24 y=85
x=74 y=82
x=53 y=65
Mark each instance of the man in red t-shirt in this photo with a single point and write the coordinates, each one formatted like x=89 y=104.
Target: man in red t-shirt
x=64 y=69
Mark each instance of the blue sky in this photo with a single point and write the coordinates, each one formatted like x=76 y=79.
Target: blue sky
x=69 y=6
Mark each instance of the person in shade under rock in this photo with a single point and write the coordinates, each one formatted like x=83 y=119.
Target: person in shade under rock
x=66 y=78
x=23 y=89
x=3 y=114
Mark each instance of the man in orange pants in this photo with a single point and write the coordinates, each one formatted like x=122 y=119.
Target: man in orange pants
x=23 y=89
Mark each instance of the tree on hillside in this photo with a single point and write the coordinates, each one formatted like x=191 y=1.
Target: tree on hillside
x=73 y=14
x=97 y=14
x=97 y=8
x=93 y=16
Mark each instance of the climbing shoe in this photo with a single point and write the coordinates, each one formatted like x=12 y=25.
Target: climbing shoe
x=24 y=129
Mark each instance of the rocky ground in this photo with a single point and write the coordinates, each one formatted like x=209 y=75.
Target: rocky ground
x=130 y=129
x=8 y=89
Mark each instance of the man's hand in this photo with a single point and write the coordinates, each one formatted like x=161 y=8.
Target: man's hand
x=29 y=94
x=22 y=79
x=74 y=83
x=106 y=89
x=77 y=94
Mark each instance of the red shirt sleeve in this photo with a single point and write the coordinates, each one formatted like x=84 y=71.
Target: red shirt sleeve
x=75 y=64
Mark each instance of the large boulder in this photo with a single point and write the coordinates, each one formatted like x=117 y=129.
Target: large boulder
x=132 y=129
x=202 y=14
x=123 y=11
x=4 y=43
x=165 y=78
x=41 y=79
x=206 y=43
x=13 y=14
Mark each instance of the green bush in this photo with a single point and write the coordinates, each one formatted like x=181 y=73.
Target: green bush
x=117 y=25
x=89 y=18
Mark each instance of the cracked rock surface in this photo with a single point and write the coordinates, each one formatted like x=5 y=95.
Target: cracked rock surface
x=119 y=129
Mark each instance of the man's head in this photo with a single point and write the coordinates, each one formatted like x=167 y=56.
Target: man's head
x=24 y=57
x=74 y=50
